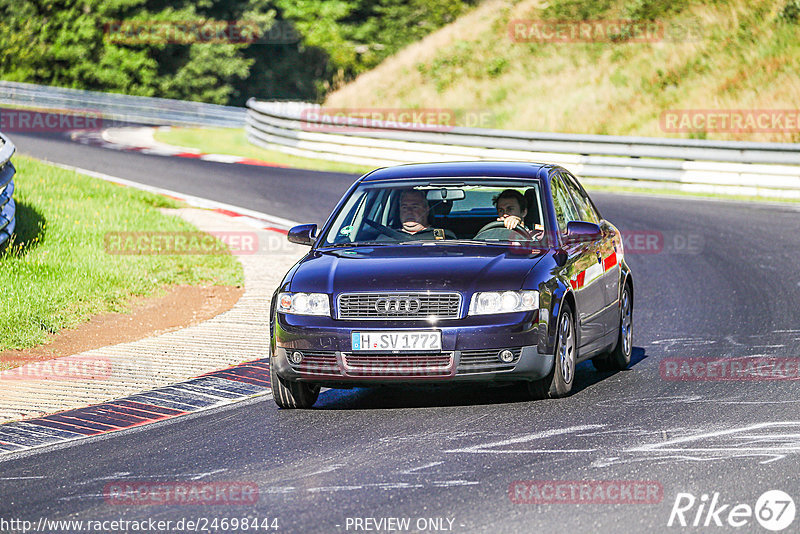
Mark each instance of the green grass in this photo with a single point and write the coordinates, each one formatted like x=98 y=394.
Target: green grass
x=56 y=273
x=233 y=141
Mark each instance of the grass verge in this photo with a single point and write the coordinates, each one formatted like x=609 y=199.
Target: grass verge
x=233 y=141
x=55 y=273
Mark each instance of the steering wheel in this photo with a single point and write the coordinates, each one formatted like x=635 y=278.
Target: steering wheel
x=385 y=230
x=495 y=225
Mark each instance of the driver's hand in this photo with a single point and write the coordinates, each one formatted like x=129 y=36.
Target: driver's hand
x=510 y=221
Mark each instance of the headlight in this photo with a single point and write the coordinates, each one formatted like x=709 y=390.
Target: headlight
x=489 y=302
x=304 y=303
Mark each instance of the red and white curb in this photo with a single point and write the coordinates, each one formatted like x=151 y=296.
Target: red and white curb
x=209 y=391
x=140 y=139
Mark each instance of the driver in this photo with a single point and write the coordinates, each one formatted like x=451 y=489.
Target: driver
x=511 y=208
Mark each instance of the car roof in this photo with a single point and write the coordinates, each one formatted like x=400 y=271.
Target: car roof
x=508 y=169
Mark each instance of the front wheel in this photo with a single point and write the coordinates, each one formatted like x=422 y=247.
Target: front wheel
x=559 y=382
x=291 y=394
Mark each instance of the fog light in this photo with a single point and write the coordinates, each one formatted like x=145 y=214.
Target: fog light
x=506 y=356
x=296 y=358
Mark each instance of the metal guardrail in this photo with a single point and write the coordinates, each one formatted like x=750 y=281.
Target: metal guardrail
x=728 y=167
x=123 y=108
x=7 y=206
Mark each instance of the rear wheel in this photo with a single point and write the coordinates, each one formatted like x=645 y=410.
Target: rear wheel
x=620 y=357
x=291 y=394
x=559 y=382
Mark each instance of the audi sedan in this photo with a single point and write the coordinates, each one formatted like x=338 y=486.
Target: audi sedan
x=449 y=272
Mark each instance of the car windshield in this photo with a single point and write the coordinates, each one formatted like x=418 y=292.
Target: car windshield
x=441 y=211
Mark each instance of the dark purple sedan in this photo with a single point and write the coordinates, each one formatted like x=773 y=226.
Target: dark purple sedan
x=445 y=272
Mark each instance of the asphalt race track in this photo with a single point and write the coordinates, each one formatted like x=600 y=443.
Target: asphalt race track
x=721 y=281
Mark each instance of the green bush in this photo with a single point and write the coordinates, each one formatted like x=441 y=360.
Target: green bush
x=576 y=9
x=791 y=11
x=653 y=9
x=66 y=43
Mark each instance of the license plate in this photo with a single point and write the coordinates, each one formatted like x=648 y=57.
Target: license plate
x=397 y=341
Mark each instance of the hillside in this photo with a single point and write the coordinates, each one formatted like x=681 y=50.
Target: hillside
x=722 y=55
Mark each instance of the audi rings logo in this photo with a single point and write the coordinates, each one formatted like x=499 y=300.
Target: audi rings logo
x=397 y=305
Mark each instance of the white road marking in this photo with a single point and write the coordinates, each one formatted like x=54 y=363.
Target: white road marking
x=672 y=445
x=333 y=488
x=485 y=448
x=421 y=467
x=327 y=469
x=393 y=485
x=203 y=475
x=453 y=483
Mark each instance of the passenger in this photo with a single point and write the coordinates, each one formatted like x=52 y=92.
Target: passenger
x=414 y=211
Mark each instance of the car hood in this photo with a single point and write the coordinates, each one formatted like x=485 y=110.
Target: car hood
x=414 y=267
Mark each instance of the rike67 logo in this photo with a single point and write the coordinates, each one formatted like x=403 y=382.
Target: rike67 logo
x=774 y=510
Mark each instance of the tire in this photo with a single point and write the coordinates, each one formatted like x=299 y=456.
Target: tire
x=291 y=394
x=559 y=382
x=619 y=358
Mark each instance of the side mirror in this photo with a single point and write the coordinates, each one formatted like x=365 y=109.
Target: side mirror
x=581 y=232
x=305 y=234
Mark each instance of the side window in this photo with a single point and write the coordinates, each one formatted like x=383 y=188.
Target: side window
x=586 y=211
x=565 y=211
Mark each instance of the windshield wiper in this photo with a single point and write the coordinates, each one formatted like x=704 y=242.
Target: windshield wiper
x=464 y=241
x=359 y=244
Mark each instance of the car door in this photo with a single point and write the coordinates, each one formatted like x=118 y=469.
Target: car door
x=607 y=248
x=582 y=269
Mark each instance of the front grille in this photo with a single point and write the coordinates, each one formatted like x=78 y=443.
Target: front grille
x=410 y=305
x=410 y=364
x=486 y=361
x=318 y=363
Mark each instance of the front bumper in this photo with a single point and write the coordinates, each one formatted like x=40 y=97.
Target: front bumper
x=470 y=348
